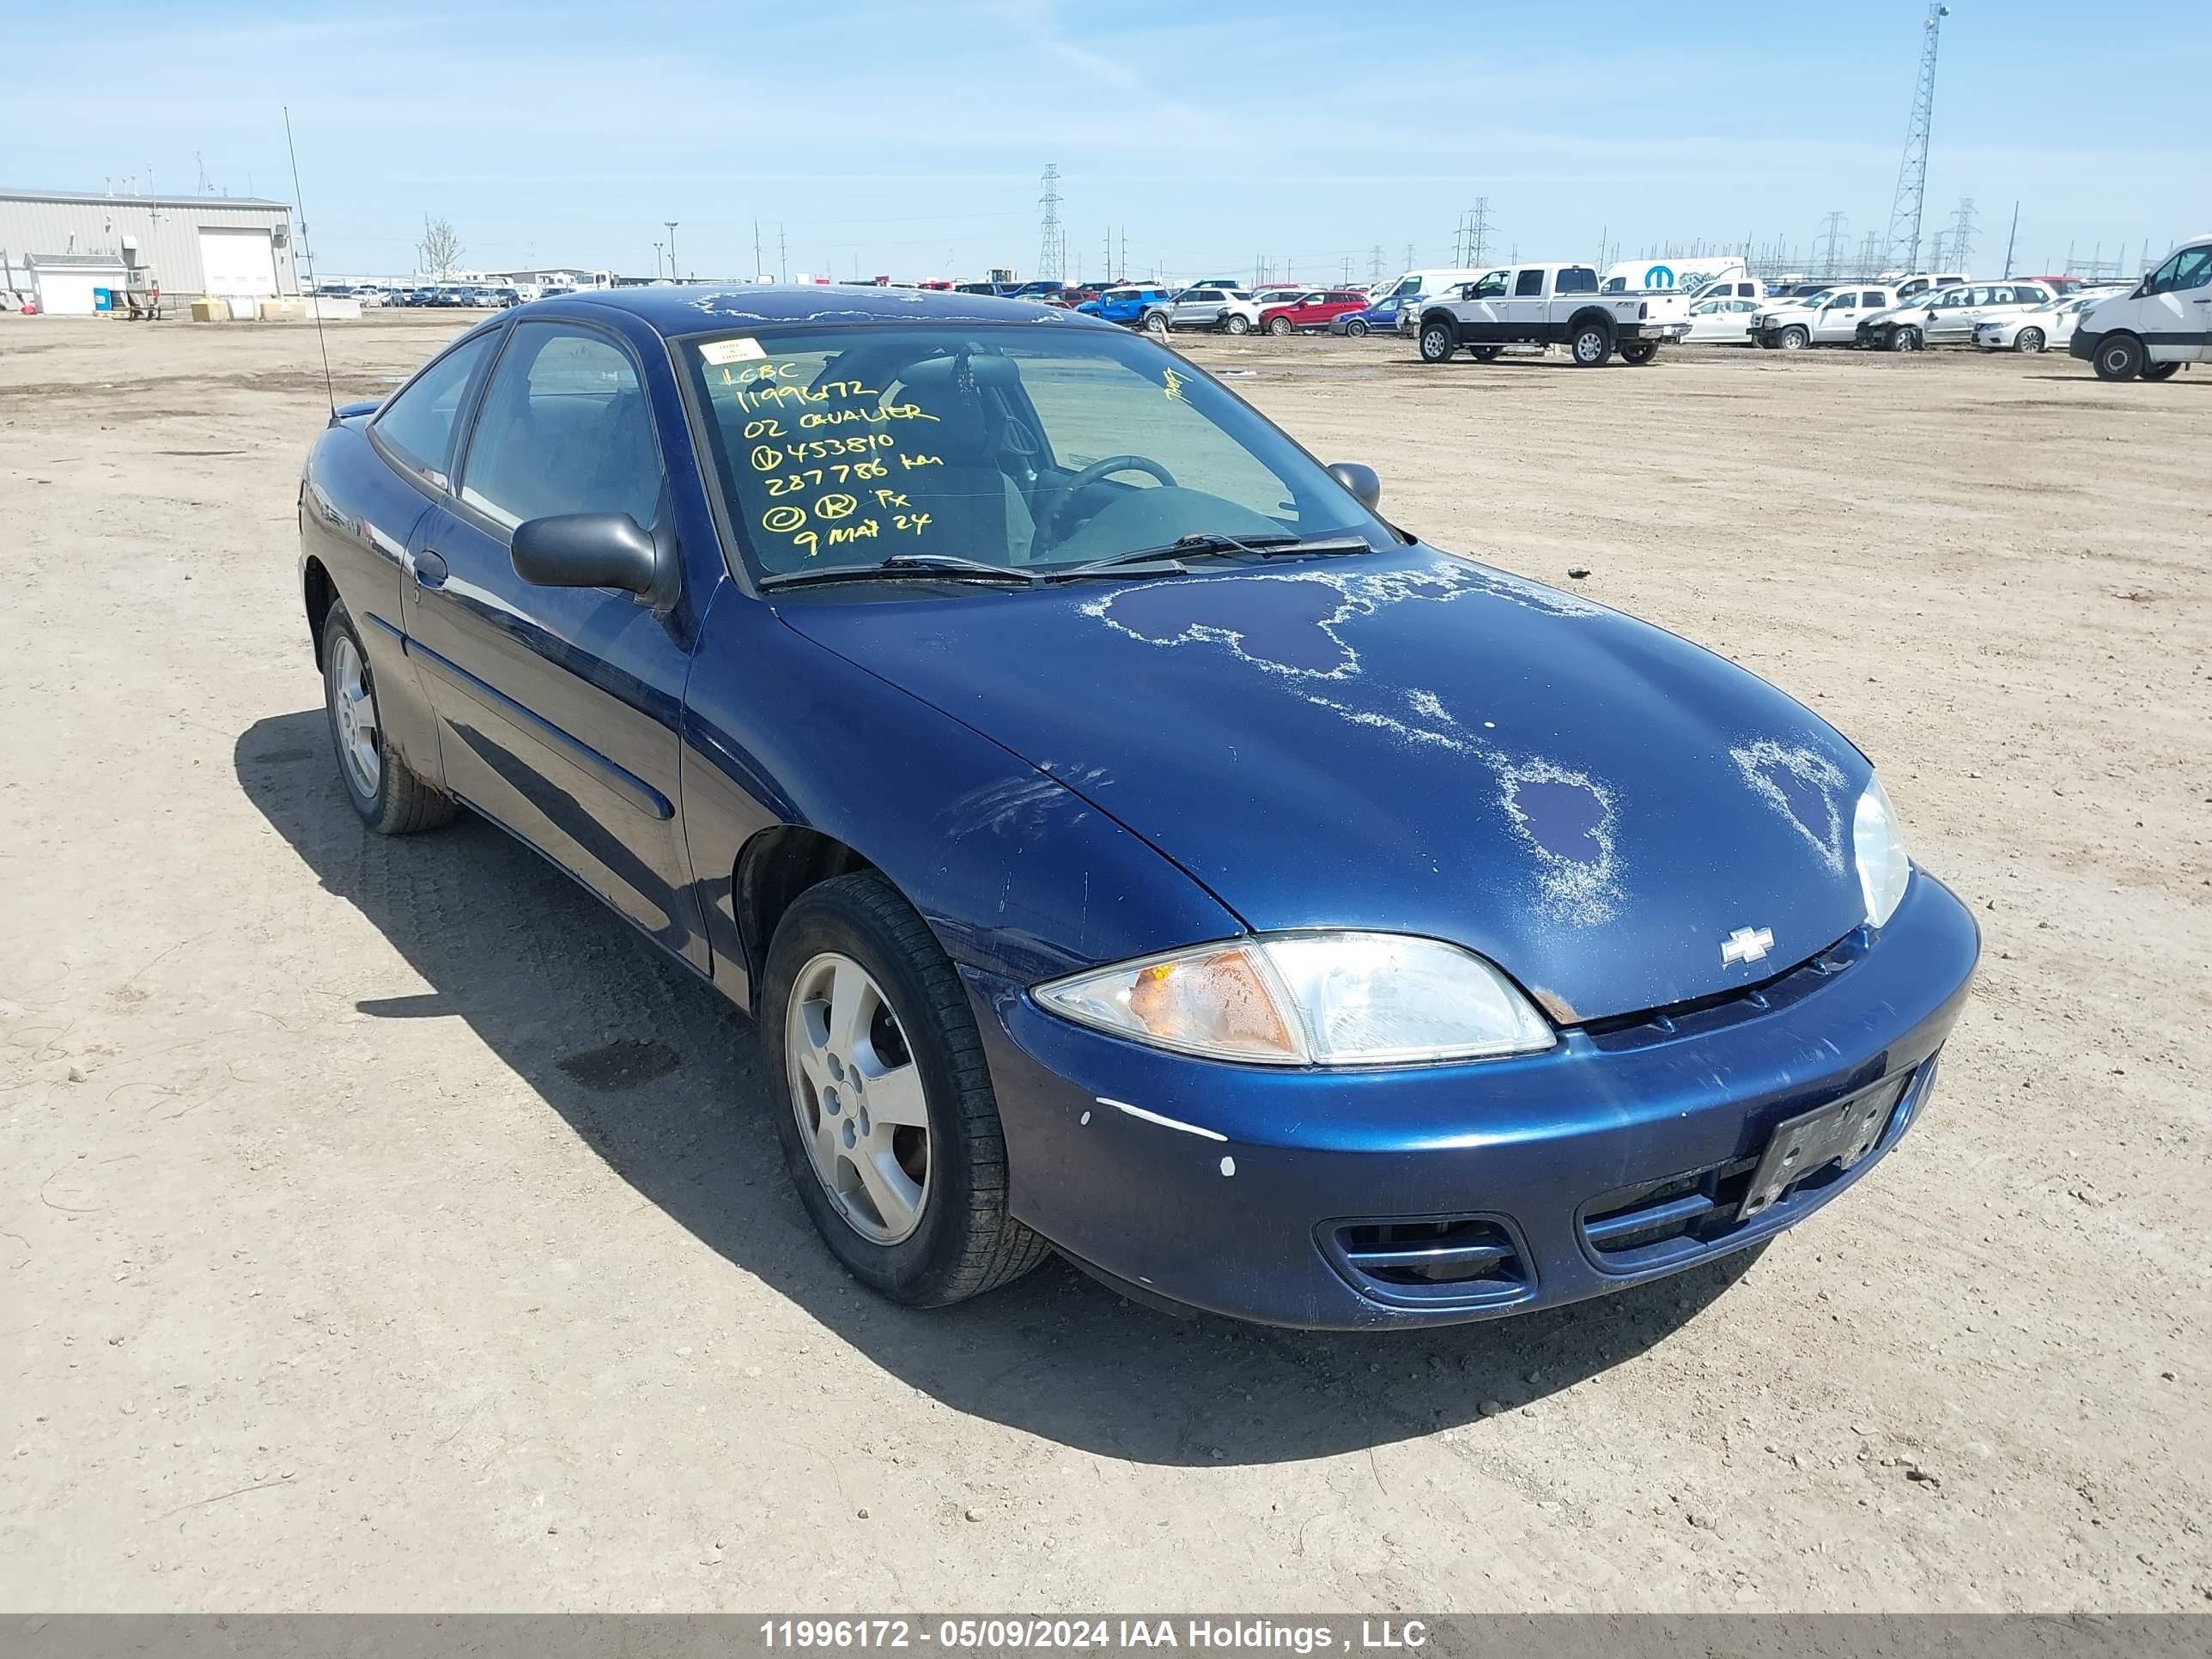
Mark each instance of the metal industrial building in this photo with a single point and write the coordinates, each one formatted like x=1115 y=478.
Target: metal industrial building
x=59 y=247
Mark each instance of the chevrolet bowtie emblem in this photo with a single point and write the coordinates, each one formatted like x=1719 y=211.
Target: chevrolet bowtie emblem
x=1747 y=944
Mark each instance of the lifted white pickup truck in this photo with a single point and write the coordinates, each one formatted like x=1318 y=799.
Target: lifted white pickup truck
x=1543 y=304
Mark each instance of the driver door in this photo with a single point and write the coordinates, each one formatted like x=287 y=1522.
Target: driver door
x=2176 y=309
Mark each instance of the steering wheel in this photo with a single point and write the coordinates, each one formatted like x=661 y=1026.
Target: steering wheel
x=1048 y=532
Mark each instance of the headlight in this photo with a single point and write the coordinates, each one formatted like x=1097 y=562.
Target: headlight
x=1878 y=842
x=1309 y=998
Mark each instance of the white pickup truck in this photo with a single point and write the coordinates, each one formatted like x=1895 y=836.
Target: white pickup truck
x=1542 y=305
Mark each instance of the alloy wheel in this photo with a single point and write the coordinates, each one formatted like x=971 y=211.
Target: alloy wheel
x=858 y=1096
x=353 y=708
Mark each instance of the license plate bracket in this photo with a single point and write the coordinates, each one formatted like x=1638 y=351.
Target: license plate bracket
x=1843 y=1132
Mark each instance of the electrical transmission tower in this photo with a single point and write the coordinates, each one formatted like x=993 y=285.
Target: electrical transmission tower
x=1962 y=233
x=1375 y=264
x=1870 y=256
x=1831 y=245
x=1474 y=232
x=1913 y=171
x=1052 y=240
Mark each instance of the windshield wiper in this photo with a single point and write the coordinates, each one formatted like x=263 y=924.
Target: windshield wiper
x=910 y=567
x=1271 y=544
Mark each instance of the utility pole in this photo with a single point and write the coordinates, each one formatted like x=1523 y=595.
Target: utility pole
x=1962 y=232
x=1832 y=241
x=757 y=257
x=1125 y=253
x=2012 y=238
x=782 y=254
x=1109 y=253
x=1913 y=169
x=674 y=274
x=1409 y=256
x=1052 y=245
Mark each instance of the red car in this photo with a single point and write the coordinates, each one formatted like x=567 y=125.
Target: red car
x=1315 y=309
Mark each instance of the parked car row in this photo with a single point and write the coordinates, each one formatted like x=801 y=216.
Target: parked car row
x=462 y=296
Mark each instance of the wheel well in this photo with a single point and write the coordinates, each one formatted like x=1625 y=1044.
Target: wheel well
x=774 y=868
x=1591 y=314
x=1443 y=316
x=320 y=595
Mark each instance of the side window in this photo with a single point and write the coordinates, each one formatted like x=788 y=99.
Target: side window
x=1576 y=279
x=1491 y=287
x=1529 y=284
x=1874 y=300
x=1411 y=286
x=419 y=422
x=2191 y=268
x=563 y=429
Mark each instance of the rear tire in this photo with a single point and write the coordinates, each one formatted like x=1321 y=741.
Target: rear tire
x=2119 y=357
x=1437 y=342
x=1636 y=353
x=1485 y=354
x=956 y=1238
x=2029 y=339
x=1278 y=326
x=2160 y=371
x=1589 y=345
x=385 y=791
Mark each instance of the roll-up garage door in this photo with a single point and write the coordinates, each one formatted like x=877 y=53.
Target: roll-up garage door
x=237 y=261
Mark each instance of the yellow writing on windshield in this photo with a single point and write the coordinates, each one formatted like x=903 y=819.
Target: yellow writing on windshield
x=823 y=452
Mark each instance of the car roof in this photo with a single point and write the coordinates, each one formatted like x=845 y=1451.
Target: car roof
x=694 y=307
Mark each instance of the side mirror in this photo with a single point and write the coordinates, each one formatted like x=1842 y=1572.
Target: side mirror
x=1366 y=489
x=586 y=549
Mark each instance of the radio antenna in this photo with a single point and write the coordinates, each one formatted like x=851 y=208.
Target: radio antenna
x=308 y=256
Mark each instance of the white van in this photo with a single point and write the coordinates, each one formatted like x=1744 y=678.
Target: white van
x=1657 y=276
x=2162 y=323
x=1431 y=283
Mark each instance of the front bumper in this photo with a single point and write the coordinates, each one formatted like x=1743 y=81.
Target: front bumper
x=1285 y=1196
x=2083 y=345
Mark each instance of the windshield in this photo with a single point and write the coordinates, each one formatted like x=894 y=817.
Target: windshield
x=1013 y=446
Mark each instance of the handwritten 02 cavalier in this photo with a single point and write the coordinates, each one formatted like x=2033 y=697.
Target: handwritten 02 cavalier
x=1127 y=841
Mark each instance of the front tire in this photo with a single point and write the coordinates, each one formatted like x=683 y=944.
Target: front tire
x=2119 y=357
x=390 y=799
x=888 y=1124
x=2160 y=371
x=1438 y=341
x=1156 y=322
x=1905 y=339
x=1485 y=354
x=1355 y=328
x=2029 y=339
x=1636 y=353
x=1278 y=326
x=1795 y=339
x=1237 y=323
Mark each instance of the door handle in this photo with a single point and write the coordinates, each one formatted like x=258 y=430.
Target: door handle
x=429 y=568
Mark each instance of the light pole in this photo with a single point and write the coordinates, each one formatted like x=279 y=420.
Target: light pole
x=672 y=271
x=656 y=258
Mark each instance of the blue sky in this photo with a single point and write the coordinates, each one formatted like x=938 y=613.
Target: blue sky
x=908 y=137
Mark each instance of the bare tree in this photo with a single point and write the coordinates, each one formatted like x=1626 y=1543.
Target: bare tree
x=440 y=247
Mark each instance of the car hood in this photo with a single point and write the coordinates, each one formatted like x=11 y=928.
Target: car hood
x=1412 y=742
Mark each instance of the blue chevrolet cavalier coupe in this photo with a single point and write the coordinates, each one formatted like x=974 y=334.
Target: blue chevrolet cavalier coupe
x=1127 y=842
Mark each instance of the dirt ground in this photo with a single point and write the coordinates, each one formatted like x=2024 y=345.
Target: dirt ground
x=344 y=1266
